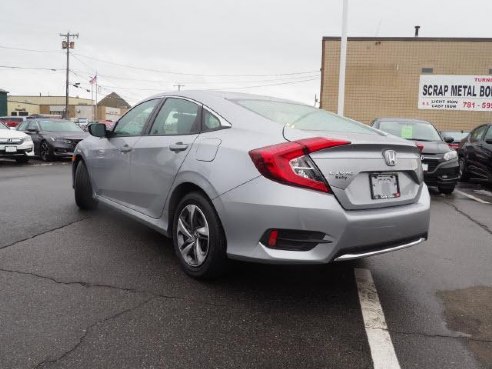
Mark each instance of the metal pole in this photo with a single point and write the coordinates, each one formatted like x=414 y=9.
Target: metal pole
x=67 y=82
x=96 y=97
x=343 y=60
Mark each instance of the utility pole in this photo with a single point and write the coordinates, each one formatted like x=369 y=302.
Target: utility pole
x=68 y=44
x=343 y=60
x=179 y=86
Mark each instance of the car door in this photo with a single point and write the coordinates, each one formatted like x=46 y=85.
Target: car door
x=32 y=129
x=472 y=151
x=109 y=159
x=159 y=154
x=484 y=154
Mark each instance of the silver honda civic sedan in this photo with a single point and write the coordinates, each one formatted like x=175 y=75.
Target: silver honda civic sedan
x=238 y=176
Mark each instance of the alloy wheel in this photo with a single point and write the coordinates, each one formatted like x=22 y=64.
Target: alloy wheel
x=44 y=151
x=193 y=235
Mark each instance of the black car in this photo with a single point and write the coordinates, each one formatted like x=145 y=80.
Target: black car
x=53 y=137
x=439 y=162
x=475 y=154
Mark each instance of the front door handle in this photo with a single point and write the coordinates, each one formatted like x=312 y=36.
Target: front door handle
x=178 y=146
x=125 y=149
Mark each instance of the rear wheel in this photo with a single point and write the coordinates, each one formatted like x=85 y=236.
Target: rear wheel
x=22 y=159
x=464 y=175
x=45 y=152
x=198 y=238
x=446 y=190
x=84 y=197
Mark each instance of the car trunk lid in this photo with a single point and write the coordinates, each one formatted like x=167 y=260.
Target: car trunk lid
x=358 y=172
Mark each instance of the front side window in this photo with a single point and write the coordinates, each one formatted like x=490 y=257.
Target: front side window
x=32 y=125
x=303 y=117
x=133 y=122
x=177 y=117
x=478 y=133
x=488 y=135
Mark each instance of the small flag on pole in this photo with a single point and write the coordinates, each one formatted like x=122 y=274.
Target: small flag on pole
x=93 y=80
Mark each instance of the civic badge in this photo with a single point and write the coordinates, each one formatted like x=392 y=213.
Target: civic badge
x=390 y=157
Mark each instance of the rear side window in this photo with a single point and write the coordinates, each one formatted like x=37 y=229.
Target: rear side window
x=303 y=117
x=210 y=121
x=177 y=117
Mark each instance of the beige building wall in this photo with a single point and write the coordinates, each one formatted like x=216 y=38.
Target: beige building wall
x=383 y=74
x=50 y=100
x=21 y=108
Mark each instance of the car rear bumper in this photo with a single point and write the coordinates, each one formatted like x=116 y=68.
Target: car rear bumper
x=248 y=211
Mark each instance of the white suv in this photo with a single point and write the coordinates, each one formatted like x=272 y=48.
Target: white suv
x=15 y=145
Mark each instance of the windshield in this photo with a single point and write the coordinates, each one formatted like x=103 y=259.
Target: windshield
x=457 y=136
x=2 y=126
x=411 y=130
x=59 y=126
x=303 y=117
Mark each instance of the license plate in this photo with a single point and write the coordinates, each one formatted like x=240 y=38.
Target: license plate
x=425 y=167
x=10 y=148
x=384 y=186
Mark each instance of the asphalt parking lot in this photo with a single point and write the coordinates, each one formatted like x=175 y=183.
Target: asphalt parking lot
x=98 y=290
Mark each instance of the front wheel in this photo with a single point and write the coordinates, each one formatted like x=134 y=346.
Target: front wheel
x=84 y=197
x=45 y=151
x=198 y=238
x=464 y=176
x=446 y=190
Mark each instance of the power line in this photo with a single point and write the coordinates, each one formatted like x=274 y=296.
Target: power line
x=192 y=74
x=31 y=50
x=33 y=68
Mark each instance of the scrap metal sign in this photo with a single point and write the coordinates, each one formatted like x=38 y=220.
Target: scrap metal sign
x=452 y=92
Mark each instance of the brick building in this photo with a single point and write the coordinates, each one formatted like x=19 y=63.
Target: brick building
x=412 y=77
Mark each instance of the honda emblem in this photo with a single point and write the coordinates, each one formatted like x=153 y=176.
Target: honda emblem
x=390 y=157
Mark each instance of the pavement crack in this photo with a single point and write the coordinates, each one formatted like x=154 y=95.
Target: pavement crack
x=88 y=330
x=434 y=335
x=483 y=226
x=102 y=285
x=42 y=233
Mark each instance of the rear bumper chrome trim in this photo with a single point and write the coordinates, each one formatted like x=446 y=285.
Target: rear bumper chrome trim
x=378 y=252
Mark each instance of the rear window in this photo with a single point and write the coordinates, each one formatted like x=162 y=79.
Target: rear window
x=411 y=130
x=303 y=117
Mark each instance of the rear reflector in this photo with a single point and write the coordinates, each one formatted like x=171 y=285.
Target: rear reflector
x=272 y=238
x=289 y=162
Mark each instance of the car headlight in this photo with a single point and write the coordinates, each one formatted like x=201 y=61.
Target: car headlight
x=60 y=139
x=450 y=155
x=28 y=139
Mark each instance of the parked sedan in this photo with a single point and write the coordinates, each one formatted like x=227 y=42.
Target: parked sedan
x=53 y=138
x=237 y=176
x=440 y=163
x=475 y=154
x=15 y=145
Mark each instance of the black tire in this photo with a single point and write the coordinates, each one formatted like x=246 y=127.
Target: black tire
x=84 y=197
x=446 y=190
x=22 y=159
x=45 y=151
x=215 y=262
x=464 y=175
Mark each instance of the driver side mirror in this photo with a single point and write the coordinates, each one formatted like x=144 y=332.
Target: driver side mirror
x=489 y=141
x=98 y=130
x=448 y=139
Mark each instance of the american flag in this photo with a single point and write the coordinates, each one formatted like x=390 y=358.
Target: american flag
x=93 y=80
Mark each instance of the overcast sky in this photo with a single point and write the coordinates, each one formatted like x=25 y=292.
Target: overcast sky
x=224 y=44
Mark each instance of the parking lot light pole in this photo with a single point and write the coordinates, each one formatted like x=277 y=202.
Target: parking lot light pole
x=343 y=60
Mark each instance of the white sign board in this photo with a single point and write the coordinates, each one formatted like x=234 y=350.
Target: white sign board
x=450 y=92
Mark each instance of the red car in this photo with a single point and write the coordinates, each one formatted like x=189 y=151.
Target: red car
x=12 y=121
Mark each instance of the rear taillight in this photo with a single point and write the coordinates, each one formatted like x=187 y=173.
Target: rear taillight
x=289 y=163
x=420 y=147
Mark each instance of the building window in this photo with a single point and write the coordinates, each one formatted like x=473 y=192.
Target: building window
x=427 y=70
x=490 y=71
x=13 y=114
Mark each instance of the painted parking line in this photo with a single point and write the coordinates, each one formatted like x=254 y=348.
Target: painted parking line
x=382 y=350
x=472 y=197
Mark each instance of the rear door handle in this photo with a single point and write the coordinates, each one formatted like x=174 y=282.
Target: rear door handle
x=125 y=149
x=178 y=146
